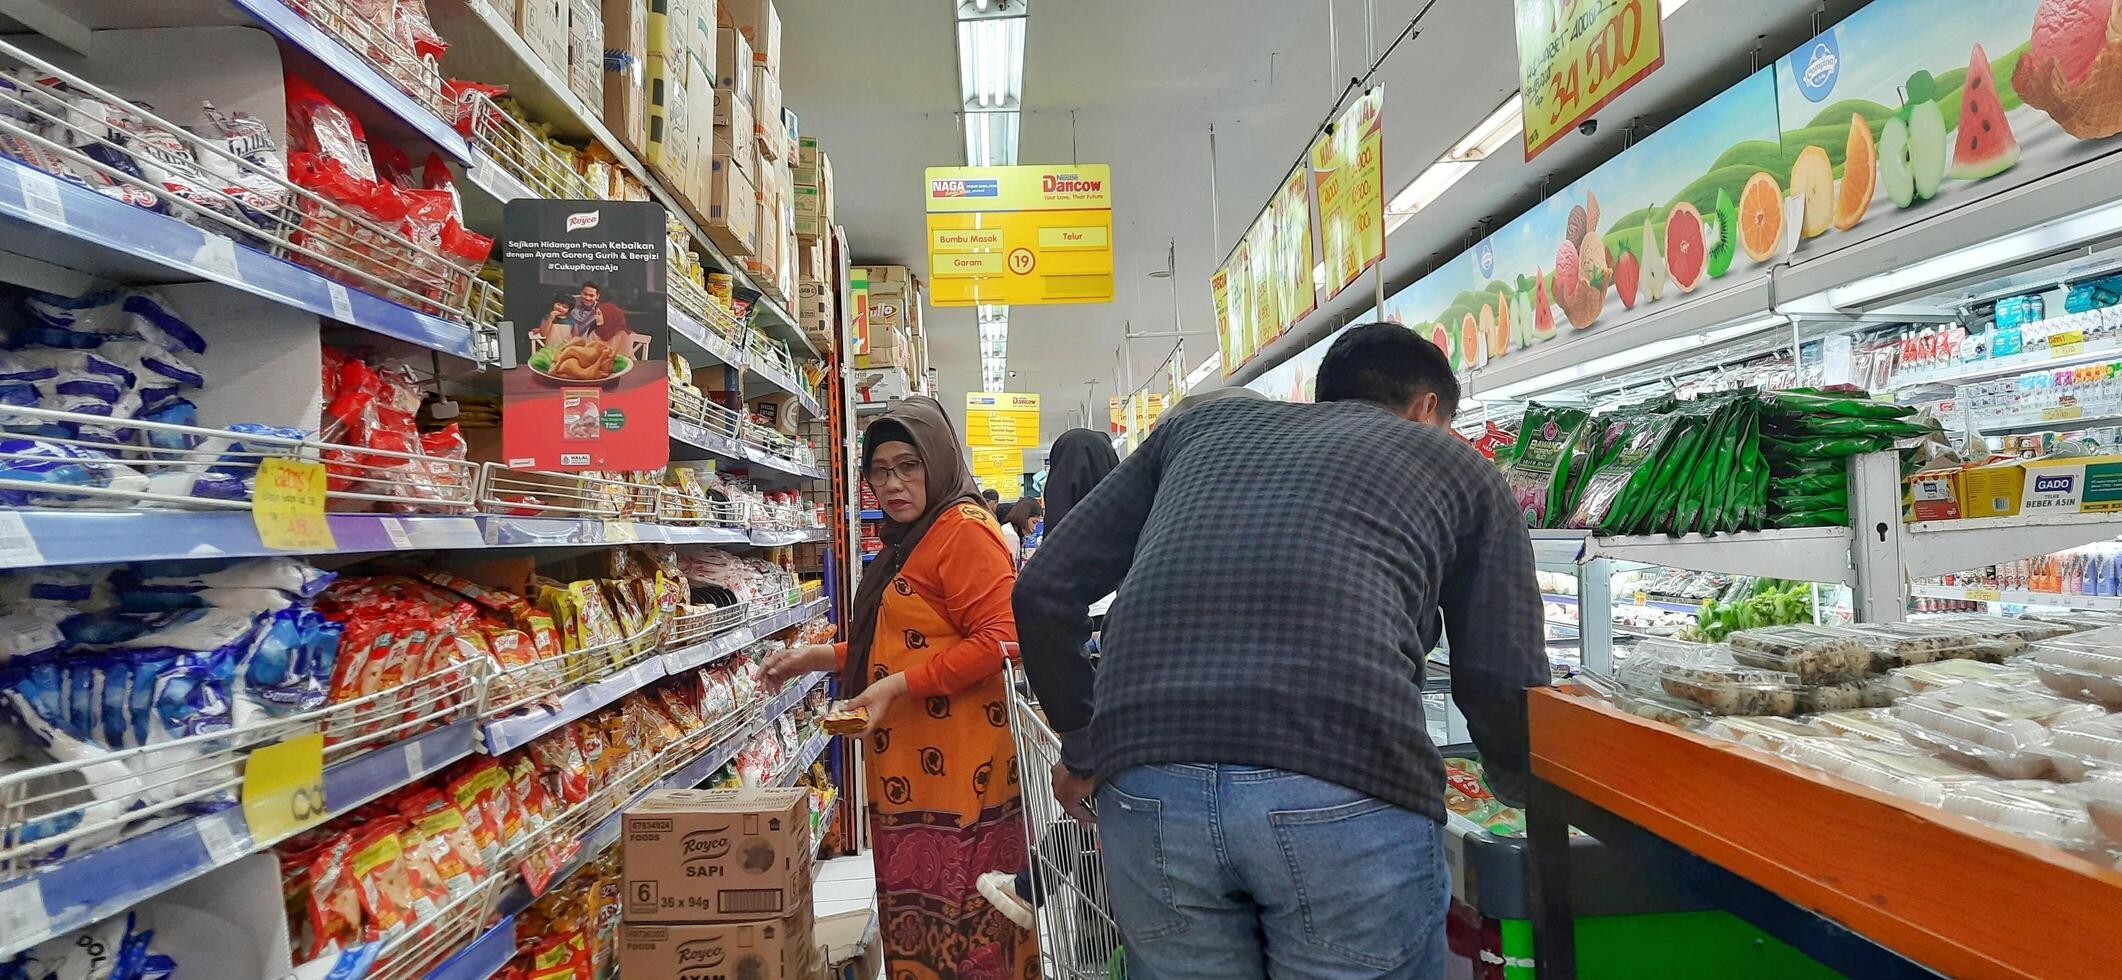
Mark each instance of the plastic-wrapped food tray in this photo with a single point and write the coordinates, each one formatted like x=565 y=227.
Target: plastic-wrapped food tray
x=1922 y=678
x=1869 y=724
x=1817 y=655
x=1871 y=692
x=1705 y=675
x=2044 y=811
x=1660 y=708
x=2003 y=627
x=1890 y=768
x=1762 y=733
x=2096 y=741
x=2087 y=666
x=2101 y=792
x=2006 y=730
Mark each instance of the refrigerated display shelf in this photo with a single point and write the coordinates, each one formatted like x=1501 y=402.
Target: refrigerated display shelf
x=484 y=45
x=502 y=734
x=2011 y=364
x=1666 y=604
x=72 y=226
x=2022 y=597
x=1818 y=554
x=84 y=888
x=38 y=538
x=280 y=18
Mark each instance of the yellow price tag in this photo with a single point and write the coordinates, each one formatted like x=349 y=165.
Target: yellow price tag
x=1979 y=594
x=283 y=787
x=620 y=532
x=2057 y=413
x=288 y=506
x=1642 y=598
x=2068 y=343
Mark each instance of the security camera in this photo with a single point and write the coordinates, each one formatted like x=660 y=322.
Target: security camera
x=1588 y=126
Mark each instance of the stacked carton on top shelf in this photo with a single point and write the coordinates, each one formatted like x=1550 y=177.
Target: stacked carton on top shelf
x=719 y=875
x=733 y=197
x=543 y=26
x=895 y=341
x=625 y=66
x=585 y=51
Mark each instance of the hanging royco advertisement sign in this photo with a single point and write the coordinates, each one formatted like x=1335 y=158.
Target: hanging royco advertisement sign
x=1348 y=177
x=1575 y=56
x=1020 y=236
x=589 y=325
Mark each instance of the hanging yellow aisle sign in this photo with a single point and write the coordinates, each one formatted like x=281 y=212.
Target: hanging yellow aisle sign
x=1020 y=236
x=1575 y=56
x=1292 y=210
x=1001 y=420
x=1348 y=173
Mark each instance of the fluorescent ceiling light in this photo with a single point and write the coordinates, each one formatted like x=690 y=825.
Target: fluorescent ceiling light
x=990 y=62
x=1632 y=357
x=1489 y=135
x=1666 y=7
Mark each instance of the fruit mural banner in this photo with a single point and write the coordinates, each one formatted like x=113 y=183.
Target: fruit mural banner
x=1348 y=177
x=1296 y=379
x=1899 y=112
x=1575 y=56
x=1645 y=228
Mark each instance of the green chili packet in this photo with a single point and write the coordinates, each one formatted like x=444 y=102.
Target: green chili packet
x=1743 y=473
x=1815 y=446
x=1820 y=425
x=1834 y=517
x=1543 y=437
x=1824 y=500
x=1787 y=486
x=1700 y=500
x=1630 y=436
x=1653 y=512
x=1805 y=401
x=1801 y=466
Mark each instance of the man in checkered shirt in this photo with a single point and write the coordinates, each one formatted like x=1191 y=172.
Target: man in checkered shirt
x=1267 y=794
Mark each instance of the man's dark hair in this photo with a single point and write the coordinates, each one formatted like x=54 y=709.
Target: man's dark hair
x=992 y=496
x=593 y=285
x=1389 y=365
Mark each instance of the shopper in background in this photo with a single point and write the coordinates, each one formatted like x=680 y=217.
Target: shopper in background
x=924 y=656
x=1078 y=459
x=1267 y=794
x=1018 y=523
x=993 y=501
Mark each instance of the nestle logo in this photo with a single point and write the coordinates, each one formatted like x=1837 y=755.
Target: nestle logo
x=1069 y=184
x=583 y=220
x=2054 y=484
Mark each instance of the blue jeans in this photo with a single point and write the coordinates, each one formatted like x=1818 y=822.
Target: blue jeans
x=1219 y=871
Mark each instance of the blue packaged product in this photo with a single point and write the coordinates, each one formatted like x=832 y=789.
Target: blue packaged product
x=171 y=411
x=153 y=361
x=139 y=598
x=32 y=630
x=85 y=586
x=59 y=465
x=158 y=324
x=84 y=697
x=18 y=393
x=292 y=576
x=115 y=313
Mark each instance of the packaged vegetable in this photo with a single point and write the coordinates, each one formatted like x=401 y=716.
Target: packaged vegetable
x=1807 y=402
x=1538 y=474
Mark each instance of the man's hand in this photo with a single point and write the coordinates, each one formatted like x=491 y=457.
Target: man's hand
x=878 y=698
x=1073 y=793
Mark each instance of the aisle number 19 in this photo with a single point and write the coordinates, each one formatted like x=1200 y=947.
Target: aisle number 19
x=1575 y=56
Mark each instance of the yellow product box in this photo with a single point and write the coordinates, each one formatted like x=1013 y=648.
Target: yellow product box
x=2072 y=485
x=2051 y=485
x=670 y=141
x=670 y=22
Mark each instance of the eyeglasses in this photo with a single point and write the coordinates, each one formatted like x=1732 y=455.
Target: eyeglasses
x=908 y=471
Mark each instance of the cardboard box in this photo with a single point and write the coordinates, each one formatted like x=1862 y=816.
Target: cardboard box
x=2062 y=485
x=543 y=26
x=766 y=114
x=585 y=51
x=807 y=152
x=625 y=70
x=888 y=274
x=732 y=117
x=700 y=115
x=810 y=260
x=700 y=39
x=670 y=22
x=761 y=26
x=671 y=144
x=773 y=949
x=733 y=63
x=717 y=855
x=732 y=218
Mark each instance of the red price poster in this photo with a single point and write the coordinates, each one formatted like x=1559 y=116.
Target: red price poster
x=584 y=290
x=1575 y=56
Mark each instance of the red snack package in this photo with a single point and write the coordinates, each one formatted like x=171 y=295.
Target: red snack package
x=480 y=790
x=446 y=838
x=376 y=862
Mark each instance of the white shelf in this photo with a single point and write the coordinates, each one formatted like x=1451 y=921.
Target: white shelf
x=2018 y=597
x=485 y=46
x=2014 y=364
x=1933 y=548
x=1816 y=554
x=281 y=19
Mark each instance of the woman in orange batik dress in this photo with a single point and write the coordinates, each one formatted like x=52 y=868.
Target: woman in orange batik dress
x=924 y=651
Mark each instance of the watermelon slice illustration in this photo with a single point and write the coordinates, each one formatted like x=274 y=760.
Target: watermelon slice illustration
x=1986 y=145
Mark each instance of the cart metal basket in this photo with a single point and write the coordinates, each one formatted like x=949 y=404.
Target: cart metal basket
x=1077 y=937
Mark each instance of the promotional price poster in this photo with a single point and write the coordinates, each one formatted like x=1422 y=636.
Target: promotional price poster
x=585 y=297
x=1575 y=56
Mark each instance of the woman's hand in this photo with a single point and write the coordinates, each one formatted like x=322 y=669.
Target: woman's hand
x=878 y=698
x=790 y=663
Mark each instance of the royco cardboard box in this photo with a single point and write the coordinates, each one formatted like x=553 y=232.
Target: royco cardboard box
x=626 y=72
x=775 y=949
x=2054 y=485
x=543 y=26
x=717 y=855
x=732 y=218
x=761 y=25
x=670 y=141
x=670 y=22
x=733 y=64
x=585 y=51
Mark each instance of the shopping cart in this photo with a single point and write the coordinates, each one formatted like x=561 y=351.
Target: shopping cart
x=1077 y=937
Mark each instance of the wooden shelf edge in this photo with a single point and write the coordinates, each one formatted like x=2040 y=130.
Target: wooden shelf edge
x=1946 y=891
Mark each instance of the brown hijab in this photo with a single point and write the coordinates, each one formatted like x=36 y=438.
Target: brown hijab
x=920 y=422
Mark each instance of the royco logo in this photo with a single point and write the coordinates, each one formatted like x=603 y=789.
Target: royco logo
x=1069 y=184
x=583 y=220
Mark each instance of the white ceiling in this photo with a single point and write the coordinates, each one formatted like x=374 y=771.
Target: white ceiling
x=1137 y=83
